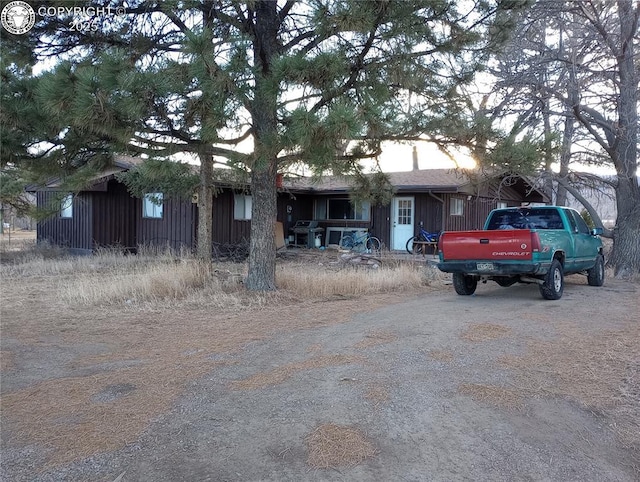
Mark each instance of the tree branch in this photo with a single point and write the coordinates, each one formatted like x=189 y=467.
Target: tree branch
x=607 y=233
x=577 y=111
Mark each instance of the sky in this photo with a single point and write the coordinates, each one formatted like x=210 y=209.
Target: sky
x=399 y=157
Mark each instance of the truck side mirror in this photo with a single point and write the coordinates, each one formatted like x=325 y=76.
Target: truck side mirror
x=596 y=231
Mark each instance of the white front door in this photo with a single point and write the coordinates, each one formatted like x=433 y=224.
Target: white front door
x=402 y=223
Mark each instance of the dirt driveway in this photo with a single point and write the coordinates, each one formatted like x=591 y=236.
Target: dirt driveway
x=425 y=385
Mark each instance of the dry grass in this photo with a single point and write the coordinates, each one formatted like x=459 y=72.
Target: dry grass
x=494 y=395
x=154 y=356
x=485 y=332
x=281 y=374
x=441 y=355
x=377 y=392
x=335 y=446
x=45 y=260
x=600 y=371
x=78 y=417
x=24 y=251
x=111 y=277
x=131 y=360
x=320 y=282
x=151 y=354
x=182 y=280
x=376 y=338
x=433 y=276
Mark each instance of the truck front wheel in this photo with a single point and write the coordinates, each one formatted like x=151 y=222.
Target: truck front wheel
x=595 y=276
x=464 y=284
x=553 y=285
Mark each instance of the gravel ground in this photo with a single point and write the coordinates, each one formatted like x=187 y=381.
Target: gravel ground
x=418 y=386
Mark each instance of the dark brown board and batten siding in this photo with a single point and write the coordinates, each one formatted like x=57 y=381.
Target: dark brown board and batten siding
x=114 y=218
x=176 y=229
x=76 y=232
x=226 y=229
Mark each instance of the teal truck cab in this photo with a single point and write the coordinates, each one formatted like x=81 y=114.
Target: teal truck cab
x=524 y=245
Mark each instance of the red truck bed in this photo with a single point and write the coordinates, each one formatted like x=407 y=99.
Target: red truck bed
x=507 y=244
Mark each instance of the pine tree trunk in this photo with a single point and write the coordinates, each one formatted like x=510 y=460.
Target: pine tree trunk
x=205 y=209
x=262 y=251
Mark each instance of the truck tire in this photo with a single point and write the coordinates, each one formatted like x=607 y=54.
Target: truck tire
x=595 y=276
x=465 y=285
x=553 y=285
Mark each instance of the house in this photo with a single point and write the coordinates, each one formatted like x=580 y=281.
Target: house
x=440 y=199
x=106 y=214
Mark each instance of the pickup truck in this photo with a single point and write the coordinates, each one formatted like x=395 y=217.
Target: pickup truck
x=524 y=245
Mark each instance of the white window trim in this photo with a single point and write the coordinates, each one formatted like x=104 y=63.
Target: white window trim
x=66 y=207
x=242 y=207
x=151 y=210
x=456 y=202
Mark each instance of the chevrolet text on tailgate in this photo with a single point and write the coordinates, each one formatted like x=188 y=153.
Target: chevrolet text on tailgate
x=524 y=245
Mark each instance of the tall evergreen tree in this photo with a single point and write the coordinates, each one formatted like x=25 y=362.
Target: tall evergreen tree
x=316 y=82
x=37 y=143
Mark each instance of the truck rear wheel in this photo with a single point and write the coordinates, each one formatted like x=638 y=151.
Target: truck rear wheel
x=553 y=285
x=595 y=276
x=464 y=284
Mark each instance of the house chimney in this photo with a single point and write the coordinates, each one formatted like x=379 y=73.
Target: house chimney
x=415 y=158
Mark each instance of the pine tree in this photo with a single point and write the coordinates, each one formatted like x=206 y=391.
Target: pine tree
x=321 y=83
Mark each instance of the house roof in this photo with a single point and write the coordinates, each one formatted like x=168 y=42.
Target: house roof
x=430 y=180
x=441 y=180
x=120 y=163
x=423 y=180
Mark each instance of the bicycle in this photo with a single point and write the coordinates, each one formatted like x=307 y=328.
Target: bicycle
x=416 y=244
x=364 y=242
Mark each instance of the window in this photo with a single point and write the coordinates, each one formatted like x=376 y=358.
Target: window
x=501 y=205
x=66 y=206
x=242 y=207
x=581 y=225
x=526 y=218
x=152 y=205
x=572 y=222
x=342 y=209
x=320 y=209
x=456 y=208
x=404 y=211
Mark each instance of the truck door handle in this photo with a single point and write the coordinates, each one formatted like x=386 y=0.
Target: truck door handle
x=484 y=241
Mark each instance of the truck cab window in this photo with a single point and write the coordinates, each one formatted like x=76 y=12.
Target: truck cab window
x=581 y=225
x=572 y=222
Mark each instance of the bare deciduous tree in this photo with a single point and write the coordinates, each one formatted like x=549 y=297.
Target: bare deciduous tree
x=569 y=78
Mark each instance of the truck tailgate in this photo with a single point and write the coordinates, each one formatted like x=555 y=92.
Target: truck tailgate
x=504 y=244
